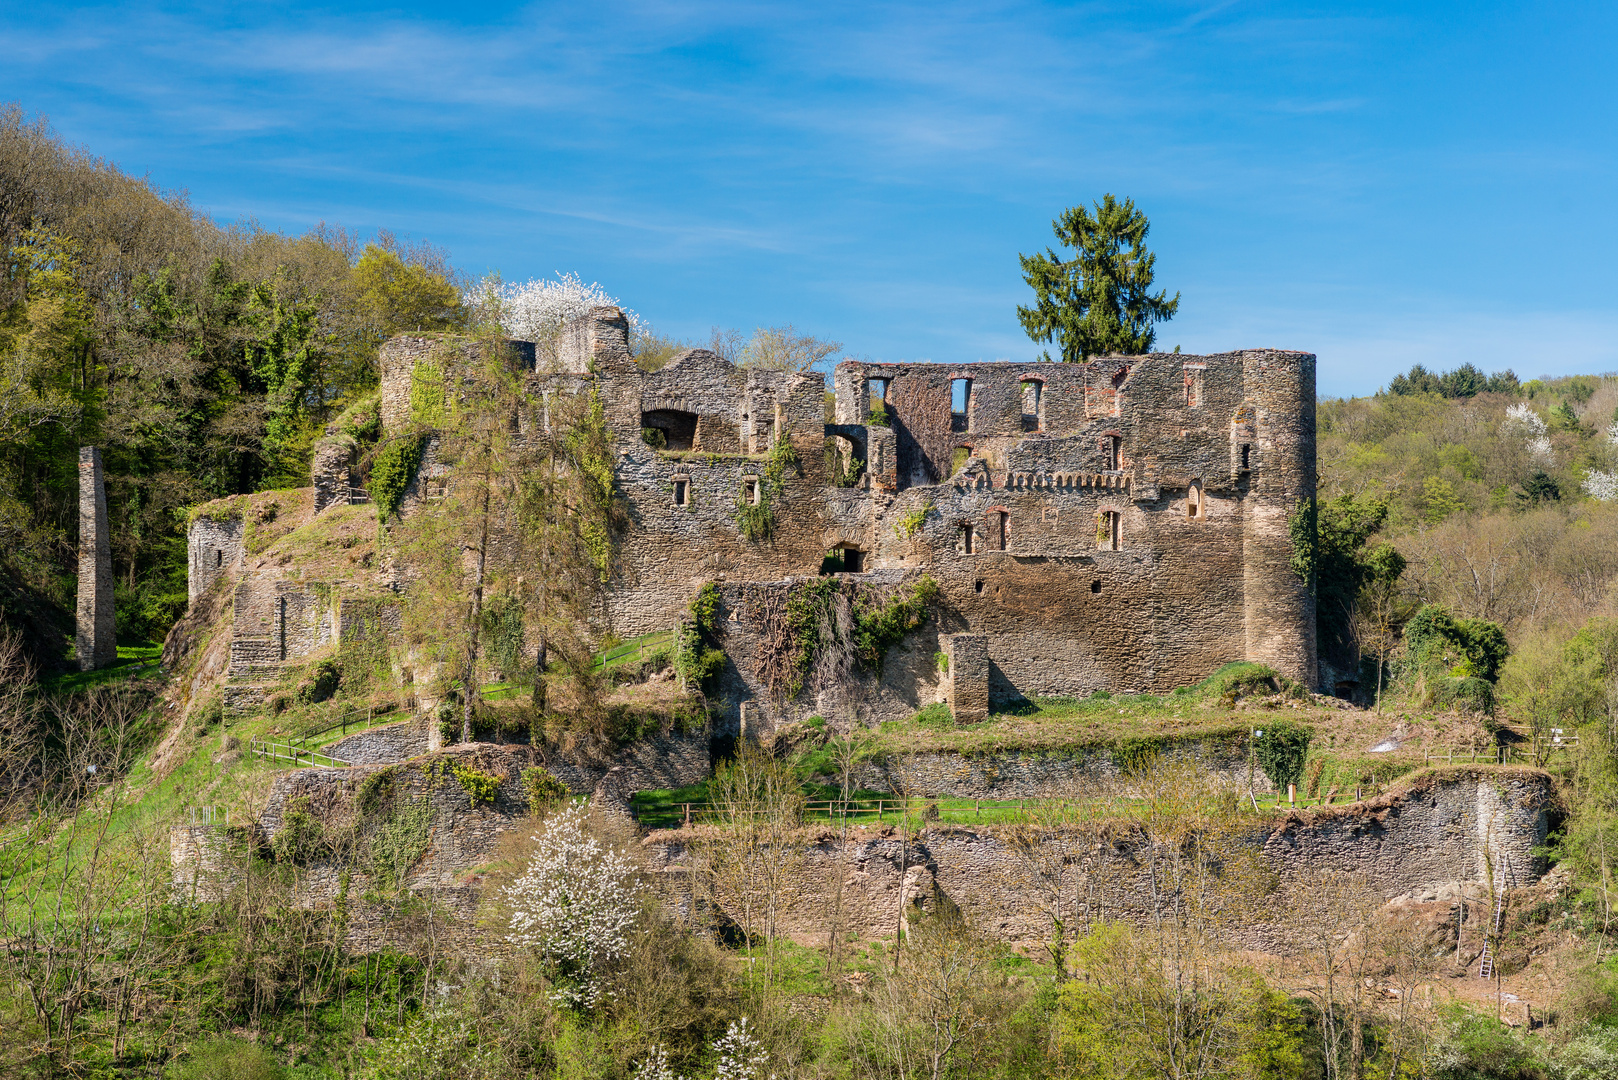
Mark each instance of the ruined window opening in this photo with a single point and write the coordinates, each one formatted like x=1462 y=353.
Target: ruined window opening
x=1032 y=394
x=977 y=586
x=678 y=429
x=853 y=561
x=681 y=492
x=997 y=530
x=219 y=558
x=1112 y=452
x=1110 y=534
x=879 y=393
x=750 y=490
x=1247 y=457
x=967 y=538
x=1193 y=387
x=960 y=399
x=1095 y=586
x=1193 y=502
x=959 y=458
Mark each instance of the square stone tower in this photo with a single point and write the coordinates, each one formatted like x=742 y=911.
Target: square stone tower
x=97 y=644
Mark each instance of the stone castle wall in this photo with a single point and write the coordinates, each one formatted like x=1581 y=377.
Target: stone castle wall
x=96 y=641
x=213 y=547
x=1117 y=525
x=1449 y=827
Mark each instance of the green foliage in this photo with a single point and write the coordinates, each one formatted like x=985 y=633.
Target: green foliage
x=1464 y=382
x=302 y=836
x=321 y=682
x=504 y=638
x=1540 y=487
x=401 y=296
x=908 y=524
x=223 y=1058
x=1281 y=751
x=392 y=470
x=756 y=520
x=879 y=625
x=847 y=474
x=397 y=841
x=656 y=438
x=480 y=787
x=879 y=417
x=544 y=789
x=1462 y=648
x=1099 y=302
x=362 y=421
x=704 y=609
x=427 y=406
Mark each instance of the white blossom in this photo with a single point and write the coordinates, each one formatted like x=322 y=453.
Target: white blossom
x=575 y=904
x=1601 y=485
x=537 y=310
x=741 y=1056
x=1524 y=422
x=656 y=1066
x=1612 y=432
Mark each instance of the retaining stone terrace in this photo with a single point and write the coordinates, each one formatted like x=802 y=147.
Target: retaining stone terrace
x=1029 y=774
x=1448 y=827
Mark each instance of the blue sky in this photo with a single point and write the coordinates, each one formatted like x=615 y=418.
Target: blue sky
x=1377 y=183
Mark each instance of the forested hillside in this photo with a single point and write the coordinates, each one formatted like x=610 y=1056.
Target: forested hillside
x=204 y=360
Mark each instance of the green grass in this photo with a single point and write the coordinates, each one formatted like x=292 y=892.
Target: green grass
x=133 y=661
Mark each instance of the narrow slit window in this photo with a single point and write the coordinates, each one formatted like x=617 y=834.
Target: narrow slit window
x=1109 y=531
x=682 y=492
x=1193 y=503
x=1247 y=457
x=1112 y=452
x=750 y=490
x=997 y=530
x=219 y=558
x=1193 y=387
x=967 y=540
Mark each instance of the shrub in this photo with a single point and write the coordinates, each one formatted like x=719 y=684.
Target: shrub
x=543 y=788
x=1281 y=750
x=220 y=1057
x=1465 y=648
x=479 y=785
x=392 y=470
x=321 y=683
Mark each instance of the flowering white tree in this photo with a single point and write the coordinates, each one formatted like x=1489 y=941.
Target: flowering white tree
x=1523 y=421
x=575 y=904
x=1601 y=485
x=741 y=1055
x=656 y=1066
x=537 y=310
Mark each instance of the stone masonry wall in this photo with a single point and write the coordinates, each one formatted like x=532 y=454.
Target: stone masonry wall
x=96 y=642
x=1445 y=829
x=1116 y=525
x=212 y=548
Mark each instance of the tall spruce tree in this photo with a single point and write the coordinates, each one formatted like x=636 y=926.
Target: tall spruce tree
x=1100 y=301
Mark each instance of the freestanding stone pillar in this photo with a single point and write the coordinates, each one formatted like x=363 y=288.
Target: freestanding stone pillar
x=96 y=643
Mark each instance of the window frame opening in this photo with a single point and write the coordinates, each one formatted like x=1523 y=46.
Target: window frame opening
x=1110 y=531
x=1194 y=386
x=219 y=558
x=960 y=419
x=1195 y=503
x=752 y=490
x=999 y=522
x=1246 y=460
x=1033 y=392
x=679 y=427
x=968 y=546
x=682 y=491
x=1112 y=451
